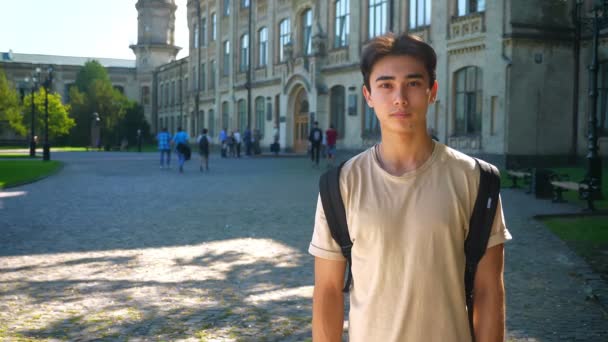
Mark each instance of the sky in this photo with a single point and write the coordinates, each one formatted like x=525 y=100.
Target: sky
x=85 y=28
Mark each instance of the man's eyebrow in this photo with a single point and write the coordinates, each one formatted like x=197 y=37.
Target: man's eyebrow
x=390 y=78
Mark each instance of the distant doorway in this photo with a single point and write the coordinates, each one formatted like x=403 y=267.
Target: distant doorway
x=300 y=136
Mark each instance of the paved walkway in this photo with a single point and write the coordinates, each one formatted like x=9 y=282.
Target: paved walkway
x=114 y=249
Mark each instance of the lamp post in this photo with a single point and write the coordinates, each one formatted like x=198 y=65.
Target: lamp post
x=95 y=138
x=48 y=85
x=33 y=85
x=596 y=22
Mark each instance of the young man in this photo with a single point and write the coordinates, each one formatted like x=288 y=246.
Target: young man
x=180 y=140
x=164 y=138
x=331 y=137
x=315 y=137
x=408 y=202
x=203 y=150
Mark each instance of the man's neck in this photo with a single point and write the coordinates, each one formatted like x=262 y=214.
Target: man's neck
x=404 y=153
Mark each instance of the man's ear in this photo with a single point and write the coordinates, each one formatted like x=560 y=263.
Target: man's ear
x=433 y=92
x=367 y=95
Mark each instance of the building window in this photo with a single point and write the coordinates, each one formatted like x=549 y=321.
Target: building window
x=201 y=121
x=226 y=59
x=213 y=26
x=378 y=17
x=263 y=46
x=371 y=125
x=602 y=106
x=195 y=36
x=212 y=73
x=466 y=7
x=245 y=3
x=180 y=89
x=306 y=20
x=204 y=32
x=226 y=8
x=203 y=76
x=172 y=93
x=159 y=100
x=468 y=101
x=167 y=94
x=284 y=37
x=194 y=83
x=420 y=13
x=259 y=114
x=242 y=109
x=225 y=116
x=337 y=107
x=145 y=95
x=244 y=63
x=342 y=23
x=211 y=122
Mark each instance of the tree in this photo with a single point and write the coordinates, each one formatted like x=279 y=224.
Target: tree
x=10 y=107
x=94 y=94
x=59 y=121
x=133 y=120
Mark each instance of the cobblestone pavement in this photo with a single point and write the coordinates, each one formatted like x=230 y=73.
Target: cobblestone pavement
x=114 y=249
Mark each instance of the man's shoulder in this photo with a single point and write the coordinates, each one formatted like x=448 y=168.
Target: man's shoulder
x=360 y=163
x=454 y=160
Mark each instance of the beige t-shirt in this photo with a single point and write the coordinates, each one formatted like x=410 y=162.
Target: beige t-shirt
x=408 y=236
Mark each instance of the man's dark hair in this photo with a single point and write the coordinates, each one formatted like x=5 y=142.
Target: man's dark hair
x=179 y=128
x=390 y=44
x=205 y=131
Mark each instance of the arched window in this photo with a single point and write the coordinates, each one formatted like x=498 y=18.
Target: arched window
x=226 y=58
x=211 y=122
x=225 y=116
x=263 y=46
x=242 y=109
x=259 y=114
x=337 y=105
x=284 y=37
x=145 y=95
x=378 y=17
x=306 y=22
x=468 y=101
x=244 y=63
x=342 y=23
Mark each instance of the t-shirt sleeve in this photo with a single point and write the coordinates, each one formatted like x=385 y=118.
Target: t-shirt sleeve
x=500 y=233
x=322 y=244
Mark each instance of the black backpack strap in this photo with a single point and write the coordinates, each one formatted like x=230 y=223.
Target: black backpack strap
x=480 y=227
x=333 y=207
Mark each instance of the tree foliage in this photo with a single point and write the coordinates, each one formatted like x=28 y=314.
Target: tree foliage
x=59 y=121
x=94 y=93
x=10 y=107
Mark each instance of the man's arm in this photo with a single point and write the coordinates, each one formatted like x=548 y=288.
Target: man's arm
x=328 y=300
x=489 y=300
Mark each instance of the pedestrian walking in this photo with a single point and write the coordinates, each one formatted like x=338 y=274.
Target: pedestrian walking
x=223 y=137
x=331 y=136
x=182 y=148
x=203 y=142
x=164 y=147
x=248 y=140
x=408 y=202
x=315 y=137
x=237 y=142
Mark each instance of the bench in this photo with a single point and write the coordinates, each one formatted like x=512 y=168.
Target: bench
x=583 y=189
x=515 y=175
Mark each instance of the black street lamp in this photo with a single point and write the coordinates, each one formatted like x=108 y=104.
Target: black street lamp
x=32 y=84
x=48 y=85
x=596 y=22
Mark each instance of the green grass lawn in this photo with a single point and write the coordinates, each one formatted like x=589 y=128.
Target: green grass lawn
x=15 y=172
x=587 y=236
x=16 y=156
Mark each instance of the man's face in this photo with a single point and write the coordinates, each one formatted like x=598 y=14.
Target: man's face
x=400 y=94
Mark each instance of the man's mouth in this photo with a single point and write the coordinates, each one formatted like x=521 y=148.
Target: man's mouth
x=401 y=115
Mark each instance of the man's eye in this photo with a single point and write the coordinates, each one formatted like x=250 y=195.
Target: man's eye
x=414 y=84
x=385 y=85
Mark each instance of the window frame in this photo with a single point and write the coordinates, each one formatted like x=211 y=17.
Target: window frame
x=377 y=8
x=263 y=47
x=306 y=32
x=419 y=18
x=244 y=53
x=468 y=102
x=342 y=23
x=284 y=37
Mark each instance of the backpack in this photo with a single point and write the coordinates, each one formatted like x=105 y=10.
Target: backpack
x=203 y=144
x=480 y=223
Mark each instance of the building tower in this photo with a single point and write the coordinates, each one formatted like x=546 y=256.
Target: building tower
x=155 y=46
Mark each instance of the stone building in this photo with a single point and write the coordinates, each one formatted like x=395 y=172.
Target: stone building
x=505 y=71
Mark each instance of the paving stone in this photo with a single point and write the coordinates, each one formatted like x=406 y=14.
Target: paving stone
x=114 y=249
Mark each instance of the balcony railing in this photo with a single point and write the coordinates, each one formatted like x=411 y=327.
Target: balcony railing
x=339 y=56
x=470 y=26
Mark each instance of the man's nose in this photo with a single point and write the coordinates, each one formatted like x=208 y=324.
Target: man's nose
x=401 y=96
